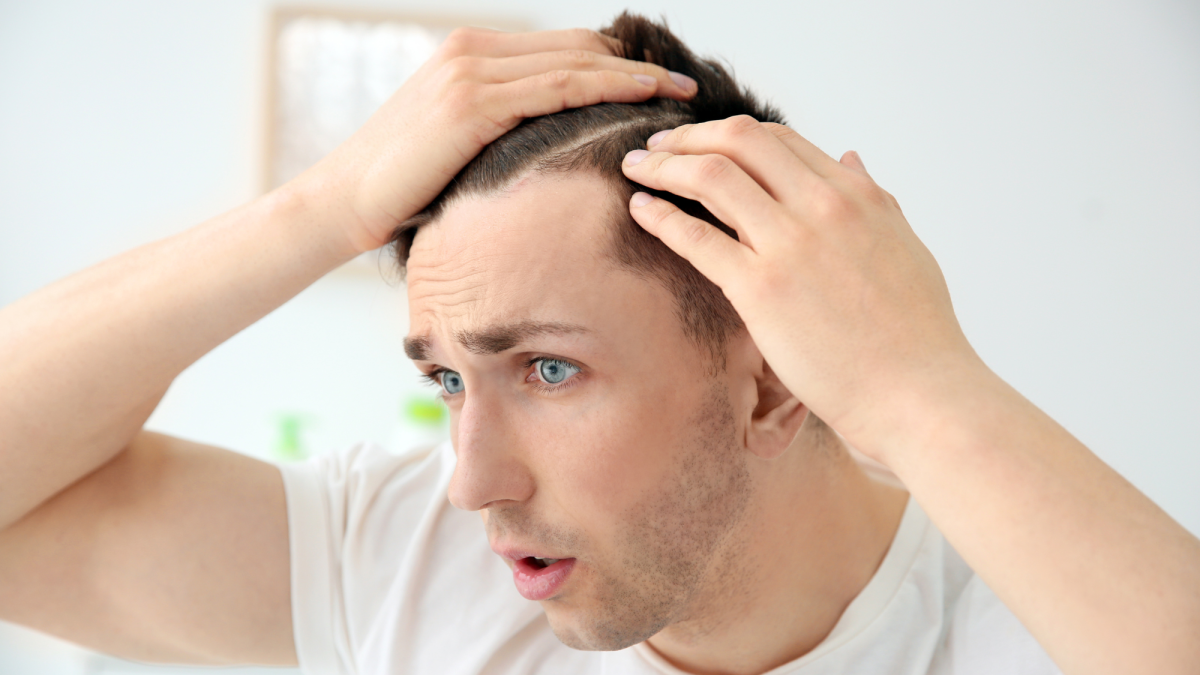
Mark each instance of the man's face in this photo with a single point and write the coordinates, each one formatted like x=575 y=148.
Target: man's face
x=587 y=427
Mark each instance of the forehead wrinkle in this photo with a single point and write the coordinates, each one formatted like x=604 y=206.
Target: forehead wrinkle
x=491 y=258
x=444 y=293
x=501 y=338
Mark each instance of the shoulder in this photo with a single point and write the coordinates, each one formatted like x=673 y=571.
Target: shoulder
x=925 y=611
x=368 y=467
x=352 y=487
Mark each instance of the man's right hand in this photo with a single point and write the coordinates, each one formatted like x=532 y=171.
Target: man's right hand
x=478 y=85
x=156 y=548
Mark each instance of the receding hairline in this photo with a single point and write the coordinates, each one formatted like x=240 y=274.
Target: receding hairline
x=615 y=212
x=616 y=226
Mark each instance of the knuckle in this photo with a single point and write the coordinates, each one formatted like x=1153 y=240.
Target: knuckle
x=580 y=58
x=779 y=130
x=864 y=185
x=660 y=214
x=831 y=204
x=459 y=68
x=696 y=233
x=556 y=79
x=876 y=194
x=680 y=135
x=892 y=199
x=740 y=126
x=461 y=41
x=713 y=167
x=856 y=180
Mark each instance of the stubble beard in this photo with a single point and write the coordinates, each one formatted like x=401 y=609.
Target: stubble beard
x=680 y=550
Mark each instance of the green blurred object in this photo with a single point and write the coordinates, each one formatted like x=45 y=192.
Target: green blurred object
x=289 y=444
x=424 y=411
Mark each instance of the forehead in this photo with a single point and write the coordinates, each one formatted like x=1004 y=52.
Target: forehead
x=537 y=251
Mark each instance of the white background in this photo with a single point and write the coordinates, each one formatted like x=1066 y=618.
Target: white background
x=1047 y=152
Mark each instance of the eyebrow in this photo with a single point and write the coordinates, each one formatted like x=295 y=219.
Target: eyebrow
x=493 y=339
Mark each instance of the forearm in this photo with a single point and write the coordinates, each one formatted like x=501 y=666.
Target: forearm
x=85 y=360
x=1105 y=580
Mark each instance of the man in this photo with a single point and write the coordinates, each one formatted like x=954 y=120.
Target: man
x=653 y=478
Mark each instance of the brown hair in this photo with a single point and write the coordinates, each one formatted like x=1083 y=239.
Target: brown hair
x=596 y=139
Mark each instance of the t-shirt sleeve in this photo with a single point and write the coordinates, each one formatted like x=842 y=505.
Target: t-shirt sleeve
x=352 y=516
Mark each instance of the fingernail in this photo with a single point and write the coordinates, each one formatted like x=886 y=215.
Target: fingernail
x=636 y=156
x=654 y=140
x=685 y=83
x=640 y=199
x=647 y=80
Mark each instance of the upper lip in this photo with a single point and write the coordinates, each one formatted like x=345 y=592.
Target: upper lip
x=515 y=553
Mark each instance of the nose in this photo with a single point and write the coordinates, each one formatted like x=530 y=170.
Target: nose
x=490 y=466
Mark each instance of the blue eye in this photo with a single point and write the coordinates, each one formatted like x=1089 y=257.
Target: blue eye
x=451 y=382
x=553 y=371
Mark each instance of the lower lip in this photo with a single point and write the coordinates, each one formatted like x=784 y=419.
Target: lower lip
x=540 y=583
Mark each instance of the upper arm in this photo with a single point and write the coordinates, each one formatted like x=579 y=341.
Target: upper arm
x=172 y=552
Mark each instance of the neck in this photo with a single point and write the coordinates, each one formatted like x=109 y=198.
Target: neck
x=813 y=539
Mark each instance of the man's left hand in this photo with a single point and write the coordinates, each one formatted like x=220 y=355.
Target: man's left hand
x=842 y=298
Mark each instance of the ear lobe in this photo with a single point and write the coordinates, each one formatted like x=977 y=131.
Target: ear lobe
x=776 y=418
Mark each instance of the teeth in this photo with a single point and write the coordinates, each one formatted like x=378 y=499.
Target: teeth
x=546 y=562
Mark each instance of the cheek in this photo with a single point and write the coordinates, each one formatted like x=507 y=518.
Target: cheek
x=612 y=454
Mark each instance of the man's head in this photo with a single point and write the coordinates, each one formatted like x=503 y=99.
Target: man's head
x=608 y=408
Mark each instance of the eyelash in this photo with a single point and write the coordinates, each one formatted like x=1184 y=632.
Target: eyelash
x=433 y=377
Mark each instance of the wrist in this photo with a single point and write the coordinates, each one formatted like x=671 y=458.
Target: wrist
x=311 y=215
x=338 y=191
x=938 y=410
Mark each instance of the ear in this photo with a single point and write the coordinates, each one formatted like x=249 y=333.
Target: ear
x=776 y=418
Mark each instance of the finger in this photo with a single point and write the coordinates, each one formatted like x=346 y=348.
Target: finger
x=715 y=181
x=852 y=160
x=813 y=156
x=557 y=90
x=512 y=68
x=470 y=41
x=758 y=151
x=715 y=254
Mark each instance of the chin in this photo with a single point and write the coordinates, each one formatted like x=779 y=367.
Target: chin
x=595 y=632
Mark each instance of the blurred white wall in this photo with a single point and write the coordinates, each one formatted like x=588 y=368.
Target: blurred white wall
x=1047 y=152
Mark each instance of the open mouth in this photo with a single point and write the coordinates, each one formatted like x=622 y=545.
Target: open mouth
x=541 y=578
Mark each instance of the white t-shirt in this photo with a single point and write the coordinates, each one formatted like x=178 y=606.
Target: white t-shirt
x=389 y=578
